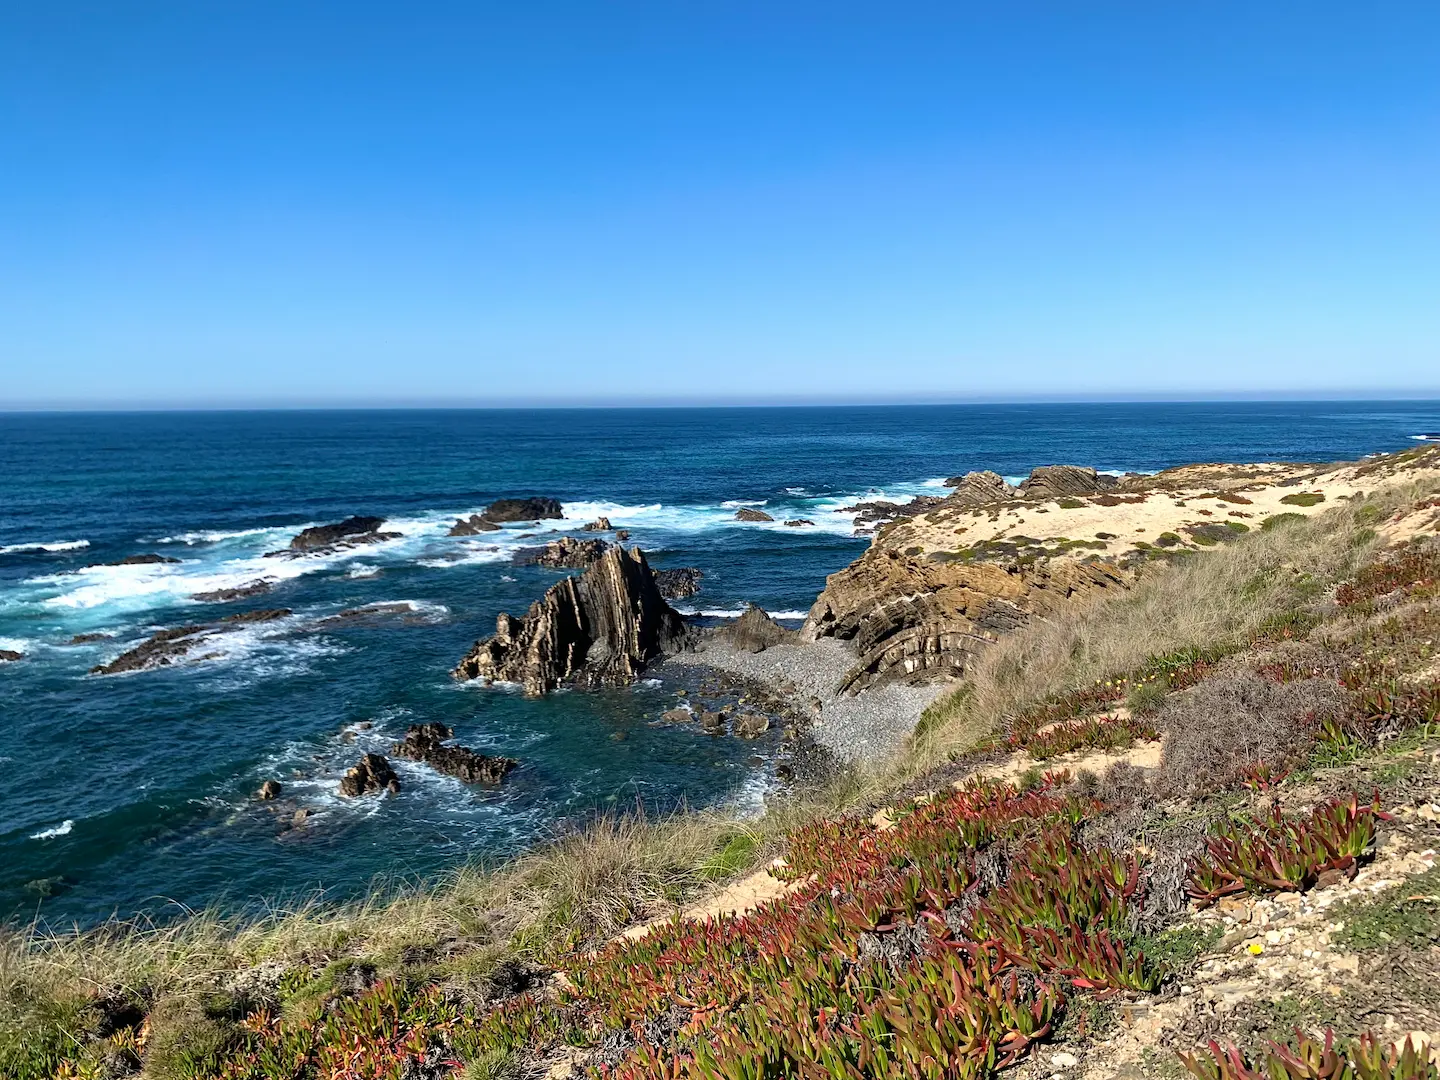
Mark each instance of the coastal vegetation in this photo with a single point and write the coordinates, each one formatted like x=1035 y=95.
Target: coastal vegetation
x=1122 y=801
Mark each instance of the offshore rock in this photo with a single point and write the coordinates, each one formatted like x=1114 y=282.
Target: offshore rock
x=567 y=553
x=978 y=488
x=523 y=510
x=161 y=649
x=474 y=525
x=1056 y=481
x=797 y=523
x=9 y=656
x=240 y=592
x=755 y=631
x=351 y=530
x=598 y=629
x=869 y=514
x=141 y=560
x=426 y=743
x=680 y=583
x=913 y=618
x=600 y=524
x=270 y=789
x=746 y=513
x=370 y=775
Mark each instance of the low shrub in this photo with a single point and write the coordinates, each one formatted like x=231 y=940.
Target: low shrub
x=1308 y=1058
x=1303 y=498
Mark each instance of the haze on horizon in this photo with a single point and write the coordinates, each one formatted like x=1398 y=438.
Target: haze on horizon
x=374 y=203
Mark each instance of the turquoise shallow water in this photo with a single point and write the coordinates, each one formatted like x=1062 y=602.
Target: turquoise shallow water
x=133 y=792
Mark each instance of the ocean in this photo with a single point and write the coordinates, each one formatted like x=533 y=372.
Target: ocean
x=134 y=793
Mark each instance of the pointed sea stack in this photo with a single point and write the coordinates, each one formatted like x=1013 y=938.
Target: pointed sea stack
x=598 y=629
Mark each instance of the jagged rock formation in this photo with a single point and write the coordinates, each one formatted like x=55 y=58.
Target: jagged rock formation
x=598 y=629
x=353 y=530
x=166 y=647
x=797 y=523
x=523 y=510
x=1056 y=481
x=975 y=488
x=224 y=596
x=370 y=775
x=870 y=514
x=600 y=524
x=567 y=553
x=755 y=631
x=426 y=743
x=680 y=583
x=746 y=513
x=474 y=525
x=912 y=618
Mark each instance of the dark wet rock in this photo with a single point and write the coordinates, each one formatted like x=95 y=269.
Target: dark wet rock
x=374 y=614
x=270 y=789
x=677 y=716
x=869 y=514
x=567 y=553
x=141 y=560
x=976 y=488
x=160 y=649
x=267 y=615
x=523 y=510
x=679 y=583
x=241 y=592
x=598 y=629
x=351 y=530
x=370 y=775
x=1056 y=481
x=9 y=656
x=797 y=523
x=621 y=535
x=474 y=525
x=600 y=524
x=426 y=743
x=87 y=639
x=755 y=631
x=746 y=513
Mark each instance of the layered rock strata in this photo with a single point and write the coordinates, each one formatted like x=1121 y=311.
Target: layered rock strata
x=567 y=553
x=598 y=629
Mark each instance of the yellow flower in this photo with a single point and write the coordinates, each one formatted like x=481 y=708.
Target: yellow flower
x=1255 y=948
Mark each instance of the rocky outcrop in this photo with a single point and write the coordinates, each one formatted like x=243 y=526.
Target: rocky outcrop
x=268 y=615
x=9 y=656
x=600 y=524
x=270 y=789
x=978 y=488
x=1058 y=481
x=598 y=629
x=797 y=523
x=89 y=639
x=746 y=513
x=870 y=514
x=523 y=510
x=257 y=587
x=352 y=530
x=141 y=560
x=680 y=583
x=567 y=553
x=913 y=618
x=755 y=631
x=426 y=743
x=370 y=775
x=474 y=525
x=166 y=647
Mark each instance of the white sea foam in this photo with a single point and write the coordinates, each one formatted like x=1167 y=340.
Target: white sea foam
x=736 y=504
x=735 y=613
x=217 y=537
x=1427 y=437
x=14 y=644
x=52 y=545
x=364 y=570
x=63 y=829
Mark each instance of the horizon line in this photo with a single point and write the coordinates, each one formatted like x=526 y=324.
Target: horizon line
x=431 y=404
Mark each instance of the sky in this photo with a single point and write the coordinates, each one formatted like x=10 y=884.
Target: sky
x=252 y=203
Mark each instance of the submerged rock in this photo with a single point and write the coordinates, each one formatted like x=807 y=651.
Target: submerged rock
x=370 y=775
x=474 y=525
x=240 y=592
x=141 y=560
x=87 y=639
x=745 y=513
x=425 y=742
x=567 y=553
x=755 y=631
x=268 y=615
x=679 y=583
x=598 y=629
x=523 y=510
x=160 y=649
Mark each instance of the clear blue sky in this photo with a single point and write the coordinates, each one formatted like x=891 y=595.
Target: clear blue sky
x=253 y=202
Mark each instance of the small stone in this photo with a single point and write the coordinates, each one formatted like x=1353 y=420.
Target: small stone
x=1062 y=1060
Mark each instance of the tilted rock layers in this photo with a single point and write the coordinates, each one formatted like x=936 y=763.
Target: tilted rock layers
x=598 y=629
x=914 y=618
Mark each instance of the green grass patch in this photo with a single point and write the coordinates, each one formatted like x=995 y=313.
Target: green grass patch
x=737 y=854
x=1068 y=503
x=1407 y=914
x=1275 y=521
x=1304 y=498
x=1180 y=946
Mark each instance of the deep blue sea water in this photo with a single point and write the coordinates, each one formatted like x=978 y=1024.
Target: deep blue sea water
x=130 y=792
